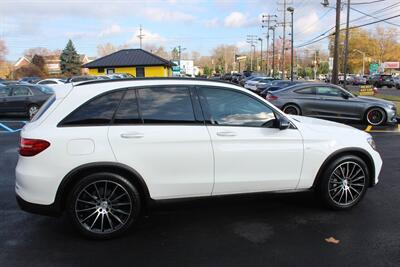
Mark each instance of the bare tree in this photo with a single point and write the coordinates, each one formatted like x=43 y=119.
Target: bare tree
x=3 y=50
x=40 y=51
x=106 y=49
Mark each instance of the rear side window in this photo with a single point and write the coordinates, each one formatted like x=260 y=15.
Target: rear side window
x=128 y=112
x=98 y=111
x=166 y=105
x=306 y=91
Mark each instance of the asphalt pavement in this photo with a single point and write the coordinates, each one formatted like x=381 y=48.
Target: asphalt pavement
x=262 y=230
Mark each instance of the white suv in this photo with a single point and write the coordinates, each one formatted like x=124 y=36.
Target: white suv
x=102 y=150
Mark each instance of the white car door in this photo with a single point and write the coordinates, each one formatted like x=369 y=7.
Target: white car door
x=165 y=141
x=251 y=153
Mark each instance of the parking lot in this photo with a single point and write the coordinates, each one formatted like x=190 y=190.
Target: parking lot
x=262 y=230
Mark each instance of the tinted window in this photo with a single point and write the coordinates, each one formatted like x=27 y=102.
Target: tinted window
x=21 y=91
x=4 y=91
x=308 y=91
x=48 y=82
x=98 y=111
x=328 y=91
x=128 y=110
x=45 y=90
x=232 y=108
x=166 y=105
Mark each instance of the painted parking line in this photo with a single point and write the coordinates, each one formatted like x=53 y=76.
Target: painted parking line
x=370 y=129
x=4 y=128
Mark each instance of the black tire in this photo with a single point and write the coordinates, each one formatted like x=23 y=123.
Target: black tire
x=329 y=194
x=375 y=116
x=97 y=194
x=291 y=109
x=32 y=110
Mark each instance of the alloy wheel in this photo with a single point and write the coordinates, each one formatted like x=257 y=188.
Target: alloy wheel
x=32 y=111
x=292 y=110
x=375 y=116
x=346 y=183
x=103 y=206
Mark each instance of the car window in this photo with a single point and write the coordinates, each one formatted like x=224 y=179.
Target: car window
x=48 y=82
x=306 y=91
x=328 y=91
x=4 y=91
x=98 y=111
x=21 y=91
x=231 y=108
x=128 y=112
x=44 y=89
x=166 y=105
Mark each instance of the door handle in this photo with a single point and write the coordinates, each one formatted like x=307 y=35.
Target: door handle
x=226 y=134
x=132 y=135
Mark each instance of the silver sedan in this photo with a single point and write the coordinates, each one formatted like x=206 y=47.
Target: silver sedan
x=329 y=101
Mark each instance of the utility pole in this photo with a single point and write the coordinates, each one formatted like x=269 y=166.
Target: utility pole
x=252 y=40
x=273 y=49
x=266 y=20
x=335 y=67
x=261 y=54
x=285 y=3
x=140 y=36
x=291 y=10
x=346 y=45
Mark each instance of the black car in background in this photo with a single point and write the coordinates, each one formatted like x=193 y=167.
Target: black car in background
x=23 y=99
x=380 y=80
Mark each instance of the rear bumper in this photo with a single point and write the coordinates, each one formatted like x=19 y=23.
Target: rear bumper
x=48 y=210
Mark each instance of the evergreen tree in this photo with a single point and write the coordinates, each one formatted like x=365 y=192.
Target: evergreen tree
x=70 y=63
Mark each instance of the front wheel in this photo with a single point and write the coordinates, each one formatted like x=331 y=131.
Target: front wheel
x=375 y=116
x=103 y=205
x=344 y=182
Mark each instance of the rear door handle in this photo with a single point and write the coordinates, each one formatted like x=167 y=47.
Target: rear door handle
x=132 y=135
x=226 y=134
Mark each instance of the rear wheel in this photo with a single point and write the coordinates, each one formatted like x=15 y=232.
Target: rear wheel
x=291 y=109
x=32 y=110
x=344 y=182
x=375 y=116
x=103 y=205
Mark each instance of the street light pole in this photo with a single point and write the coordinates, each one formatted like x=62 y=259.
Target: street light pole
x=291 y=10
x=363 y=60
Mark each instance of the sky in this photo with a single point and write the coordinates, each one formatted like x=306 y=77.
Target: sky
x=197 y=25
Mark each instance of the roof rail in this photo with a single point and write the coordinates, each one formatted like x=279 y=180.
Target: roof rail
x=151 y=78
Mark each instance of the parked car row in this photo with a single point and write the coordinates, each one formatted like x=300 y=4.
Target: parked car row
x=323 y=100
x=377 y=80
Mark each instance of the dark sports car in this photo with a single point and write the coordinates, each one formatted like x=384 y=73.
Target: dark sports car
x=23 y=99
x=329 y=101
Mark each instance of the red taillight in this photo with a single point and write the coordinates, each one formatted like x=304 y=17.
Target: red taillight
x=32 y=147
x=271 y=97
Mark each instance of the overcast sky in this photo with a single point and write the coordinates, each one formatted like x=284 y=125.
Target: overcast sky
x=195 y=24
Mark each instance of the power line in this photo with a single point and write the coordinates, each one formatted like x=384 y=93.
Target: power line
x=350 y=28
x=367 y=3
x=371 y=16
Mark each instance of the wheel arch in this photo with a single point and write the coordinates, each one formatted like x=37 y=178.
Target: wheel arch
x=363 y=154
x=70 y=180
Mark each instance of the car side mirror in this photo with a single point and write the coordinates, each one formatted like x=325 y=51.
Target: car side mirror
x=283 y=123
x=345 y=96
